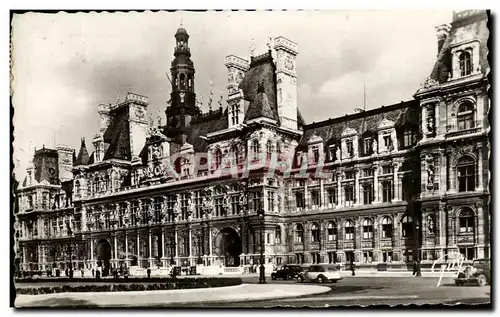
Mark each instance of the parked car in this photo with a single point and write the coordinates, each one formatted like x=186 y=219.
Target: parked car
x=479 y=272
x=287 y=272
x=320 y=273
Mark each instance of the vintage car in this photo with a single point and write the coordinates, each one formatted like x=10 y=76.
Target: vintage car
x=479 y=272
x=286 y=272
x=320 y=273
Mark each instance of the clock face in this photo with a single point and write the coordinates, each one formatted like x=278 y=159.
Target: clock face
x=52 y=171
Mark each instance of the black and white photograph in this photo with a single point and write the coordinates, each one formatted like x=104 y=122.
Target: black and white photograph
x=251 y=158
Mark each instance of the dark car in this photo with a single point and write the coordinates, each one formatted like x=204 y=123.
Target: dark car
x=479 y=272
x=286 y=272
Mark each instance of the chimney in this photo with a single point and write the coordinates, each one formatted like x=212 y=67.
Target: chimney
x=442 y=32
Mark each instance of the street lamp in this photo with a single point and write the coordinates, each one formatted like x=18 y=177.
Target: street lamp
x=262 y=276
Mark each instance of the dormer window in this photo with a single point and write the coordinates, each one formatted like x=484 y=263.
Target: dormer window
x=218 y=158
x=350 y=148
x=388 y=142
x=316 y=155
x=367 y=146
x=235 y=113
x=331 y=153
x=465 y=63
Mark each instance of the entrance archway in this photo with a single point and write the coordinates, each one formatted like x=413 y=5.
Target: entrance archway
x=104 y=256
x=230 y=246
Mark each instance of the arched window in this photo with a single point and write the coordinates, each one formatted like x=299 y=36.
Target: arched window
x=466 y=174
x=315 y=233
x=349 y=230
x=77 y=187
x=218 y=158
x=367 y=229
x=466 y=221
x=269 y=149
x=332 y=231
x=386 y=227
x=407 y=226
x=299 y=233
x=182 y=78
x=277 y=235
x=465 y=63
x=190 y=82
x=255 y=149
x=268 y=237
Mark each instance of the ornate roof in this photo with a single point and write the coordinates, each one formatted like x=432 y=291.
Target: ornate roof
x=348 y=132
x=385 y=124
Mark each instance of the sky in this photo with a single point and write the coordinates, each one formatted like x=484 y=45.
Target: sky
x=65 y=65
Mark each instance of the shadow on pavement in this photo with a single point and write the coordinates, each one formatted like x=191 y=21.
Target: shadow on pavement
x=60 y=303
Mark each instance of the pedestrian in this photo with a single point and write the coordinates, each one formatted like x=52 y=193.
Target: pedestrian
x=81 y=270
x=93 y=272
x=419 y=273
x=414 y=267
x=353 y=272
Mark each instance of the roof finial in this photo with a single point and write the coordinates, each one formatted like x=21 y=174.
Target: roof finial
x=182 y=24
x=252 y=48
x=158 y=116
x=270 y=42
x=117 y=97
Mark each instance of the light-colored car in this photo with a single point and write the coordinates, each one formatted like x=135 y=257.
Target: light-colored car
x=320 y=273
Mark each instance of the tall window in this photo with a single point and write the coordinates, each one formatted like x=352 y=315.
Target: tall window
x=407 y=226
x=299 y=233
x=367 y=193
x=367 y=229
x=349 y=175
x=235 y=204
x=386 y=227
x=277 y=235
x=466 y=221
x=157 y=209
x=219 y=210
x=255 y=149
x=466 y=174
x=332 y=231
x=269 y=149
x=134 y=212
x=409 y=138
x=349 y=230
x=234 y=113
x=332 y=195
x=367 y=172
x=367 y=146
x=331 y=152
x=386 y=169
x=122 y=209
x=299 y=199
x=199 y=205
x=236 y=155
x=349 y=194
x=465 y=116
x=255 y=203
x=350 y=148
x=315 y=197
x=314 y=232
x=218 y=158
x=270 y=201
x=386 y=191
x=465 y=63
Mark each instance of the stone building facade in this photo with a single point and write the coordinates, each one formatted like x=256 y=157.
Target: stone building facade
x=386 y=185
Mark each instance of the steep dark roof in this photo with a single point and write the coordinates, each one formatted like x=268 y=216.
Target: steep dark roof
x=443 y=66
x=83 y=155
x=117 y=135
x=205 y=124
x=405 y=113
x=91 y=158
x=262 y=101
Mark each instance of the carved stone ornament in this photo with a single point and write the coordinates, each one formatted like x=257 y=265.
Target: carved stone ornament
x=430 y=224
x=429 y=82
x=374 y=146
x=191 y=206
x=337 y=154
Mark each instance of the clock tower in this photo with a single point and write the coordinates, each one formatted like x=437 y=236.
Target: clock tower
x=182 y=98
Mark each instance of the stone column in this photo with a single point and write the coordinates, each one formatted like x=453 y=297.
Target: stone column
x=138 y=247
x=396 y=182
x=150 y=258
x=210 y=244
x=480 y=182
x=307 y=201
x=190 y=244
x=176 y=239
x=357 y=194
x=436 y=119
x=322 y=201
x=127 y=261
x=339 y=190
x=376 y=239
x=375 y=184
x=92 y=264
x=163 y=259
x=116 y=251
x=424 y=123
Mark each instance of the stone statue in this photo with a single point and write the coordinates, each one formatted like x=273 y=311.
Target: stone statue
x=191 y=206
x=156 y=152
x=430 y=175
x=430 y=224
x=177 y=207
x=430 y=124
x=374 y=146
x=337 y=154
